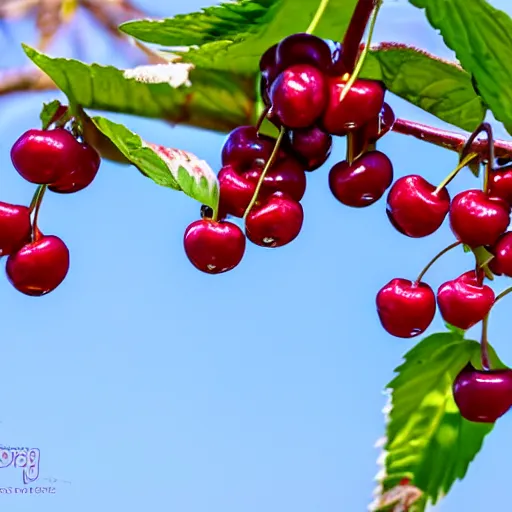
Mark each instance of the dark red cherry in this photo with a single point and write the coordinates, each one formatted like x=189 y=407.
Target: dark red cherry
x=81 y=172
x=405 y=308
x=303 y=48
x=268 y=65
x=214 y=247
x=382 y=124
x=43 y=156
x=501 y=264
x=477 y=219
x=337 y=67
x=39 y=267
x=500 y=185
x=245 y=149
x=362 y=183
x=15 y=227
x=265 y=91
x=298 y=96
x=311 y=145
x=483 y=396
x=415 y=208
x=274 y=222
x=362 y=104
x=465 y=301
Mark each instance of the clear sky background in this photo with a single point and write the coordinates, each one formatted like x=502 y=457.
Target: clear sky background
x=148 y=385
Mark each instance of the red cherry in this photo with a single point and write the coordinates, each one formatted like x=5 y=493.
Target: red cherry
x=414 y=208
x=245 y=149
x=500 y=185
x=298 y=96
x=214 y=247
x=236 y=191
x=362 y=104
x=268 y=64
x=15 y=227
x=337 y=67
x=382 y=124
x=362 y=183
x=465 y=301
x=42 y=156
x=303 y=48
x=405 y=308
x=311 y=145
x=483 y=396
x=274 y=222
x=39 y=267
x=81 y=172
x=477 y=219
x=501 y=264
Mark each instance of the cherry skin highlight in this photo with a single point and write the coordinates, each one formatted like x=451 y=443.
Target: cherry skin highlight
x=81 y=172
x=43 y=156
x=501 y=264
x=477 y=219
x=39 y=267
x=312 y=145
x=214 y=247
x=414 y=208
x=500 y=185
x=465 y=301
x=362 y=183
x=362 y=104
x=275 y=221
x=483 y=396
x=406 y=308
x=15 y=227
x=298 y=96
x=303 y=48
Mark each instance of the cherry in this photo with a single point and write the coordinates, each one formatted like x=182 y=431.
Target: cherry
x=382 y=124
x=275 y=221
x=312 y=145
x=477 y=219
x=214 y=246
x=501 y=264
x=15 y=227
x=303 y=48
x=483 y=396
x=81 y=171
x=236 y=191
x=268 y=65
x=500 y=184
x=406 y=308
x=298 y=96
x=465 y=301
x=337 y=67
x=362 y=183
x=43 y=156
x=39 y=267
x=245 y=149
x=415 y=208
x=362 y=104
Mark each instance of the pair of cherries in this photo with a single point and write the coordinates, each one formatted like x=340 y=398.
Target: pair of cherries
x=38 y=263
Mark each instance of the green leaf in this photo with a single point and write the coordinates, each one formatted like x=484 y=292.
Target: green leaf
x=232 y=36
x=435 y=85
x=169 y=167
x=481 y=37
x=428 y=443
x=216 y=100
x=482 y=258
x=48 y=112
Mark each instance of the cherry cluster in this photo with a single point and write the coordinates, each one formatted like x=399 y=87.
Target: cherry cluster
x=56 y=159
x=263 y=179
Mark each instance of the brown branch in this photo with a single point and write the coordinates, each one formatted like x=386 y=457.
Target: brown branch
x=24 y=79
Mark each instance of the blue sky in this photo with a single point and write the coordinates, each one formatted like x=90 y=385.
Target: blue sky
x=146 y=383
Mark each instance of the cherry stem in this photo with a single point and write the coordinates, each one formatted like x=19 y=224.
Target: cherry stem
x=484 y=344
x=265 y=170
x=35 y=206
x=318 y=16
x=364 y=53
x=434 y=259
x=503 y=294
x=450 y=140
x=350 y=148
x=465 y=161
x=355 y=32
